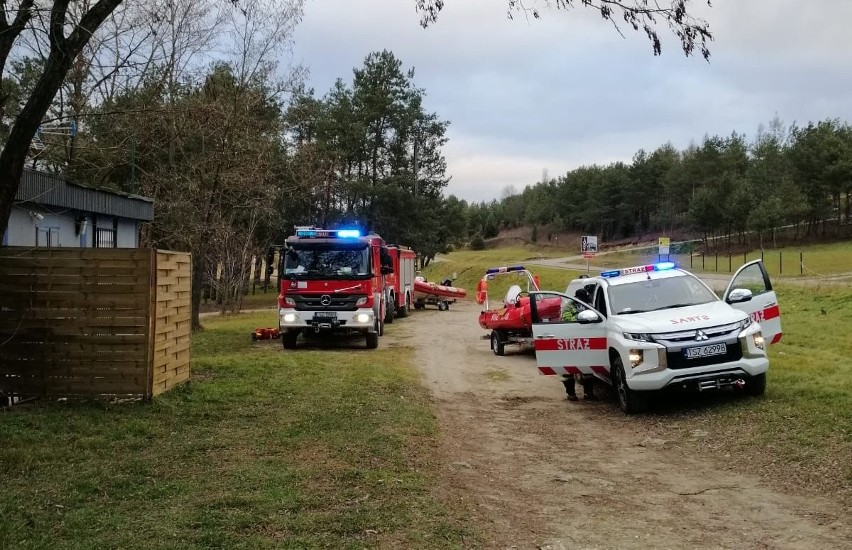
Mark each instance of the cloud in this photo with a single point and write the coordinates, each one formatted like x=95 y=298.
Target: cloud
x=567 y=90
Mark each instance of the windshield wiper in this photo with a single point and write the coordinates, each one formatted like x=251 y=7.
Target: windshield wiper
x=673 y=306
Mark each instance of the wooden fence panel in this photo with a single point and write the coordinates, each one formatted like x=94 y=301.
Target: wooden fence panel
x=172 y=321
x=93 y=322
x=68 y=328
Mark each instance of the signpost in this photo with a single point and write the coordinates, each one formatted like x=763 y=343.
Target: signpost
x=664 y=247
x=588 y=246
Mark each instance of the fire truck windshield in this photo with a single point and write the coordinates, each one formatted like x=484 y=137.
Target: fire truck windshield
x=327 y=260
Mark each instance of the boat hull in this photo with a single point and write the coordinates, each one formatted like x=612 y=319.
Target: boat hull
x=424 y=289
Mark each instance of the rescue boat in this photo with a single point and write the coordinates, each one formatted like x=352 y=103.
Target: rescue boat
x=513 y=313
x=442 y=295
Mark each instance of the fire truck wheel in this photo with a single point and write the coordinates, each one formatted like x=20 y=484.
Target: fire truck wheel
x=372 y=340
x=288 y=339
x=404 y=310
x=497 y=346
x=390 y=310
x=631 y=401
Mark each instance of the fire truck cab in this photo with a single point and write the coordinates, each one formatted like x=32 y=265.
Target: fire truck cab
x=333 y=281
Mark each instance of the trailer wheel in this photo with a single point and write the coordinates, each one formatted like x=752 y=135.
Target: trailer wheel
x=289 y=338
x=497 y=346
x=442 y=306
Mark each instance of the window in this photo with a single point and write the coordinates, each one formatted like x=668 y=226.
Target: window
x=47 y=236
x=105 y=238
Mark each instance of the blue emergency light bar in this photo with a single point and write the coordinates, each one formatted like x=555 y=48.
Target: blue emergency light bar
x=314 y=233
x=662 y=266
x=504 y=269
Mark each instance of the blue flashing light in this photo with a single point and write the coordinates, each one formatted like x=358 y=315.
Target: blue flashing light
x=613 y=273
x=663 y=266
x=348 y=233
x=504 y=269
x=306 y=233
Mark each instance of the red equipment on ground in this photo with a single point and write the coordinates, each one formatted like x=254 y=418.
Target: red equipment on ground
x=264 y=334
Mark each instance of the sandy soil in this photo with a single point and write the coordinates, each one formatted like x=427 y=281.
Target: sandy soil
x=541 y=472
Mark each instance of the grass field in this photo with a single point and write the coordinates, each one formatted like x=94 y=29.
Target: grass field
x=264 y=449
x=802 y=430
x=824 y=259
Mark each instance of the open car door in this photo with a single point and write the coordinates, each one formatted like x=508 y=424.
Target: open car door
x=750 y=291
x=576 y=346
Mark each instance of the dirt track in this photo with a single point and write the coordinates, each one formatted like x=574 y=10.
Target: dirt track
x=542 y=472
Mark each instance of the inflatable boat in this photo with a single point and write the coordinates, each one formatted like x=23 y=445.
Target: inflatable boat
x=442 y=295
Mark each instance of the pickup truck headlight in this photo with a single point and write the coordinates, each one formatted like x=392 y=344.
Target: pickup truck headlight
x=745 y=323
x=639 y=336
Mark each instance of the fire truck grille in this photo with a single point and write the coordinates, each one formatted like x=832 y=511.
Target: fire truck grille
x=676 y=360
x=327 y=302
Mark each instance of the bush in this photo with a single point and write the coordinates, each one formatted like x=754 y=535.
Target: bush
x=477 y=242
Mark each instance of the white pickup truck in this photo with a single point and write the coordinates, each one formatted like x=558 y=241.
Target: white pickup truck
x=655 y=327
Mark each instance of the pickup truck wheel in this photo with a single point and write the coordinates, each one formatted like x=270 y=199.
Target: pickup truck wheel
x=372 y=340
x=288 y=339
x=631 y=401
x=497 y=346
x=756 y=385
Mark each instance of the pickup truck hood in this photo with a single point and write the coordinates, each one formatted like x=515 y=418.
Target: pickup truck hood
x=682 y=318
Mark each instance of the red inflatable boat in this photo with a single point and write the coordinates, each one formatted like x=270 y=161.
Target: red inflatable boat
x=510 y=321
x=426 y=292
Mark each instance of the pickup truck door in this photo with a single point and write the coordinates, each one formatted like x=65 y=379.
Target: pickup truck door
x=566 y=347
x=763 y=305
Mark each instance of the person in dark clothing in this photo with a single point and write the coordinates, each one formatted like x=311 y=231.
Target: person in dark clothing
x=569 y=380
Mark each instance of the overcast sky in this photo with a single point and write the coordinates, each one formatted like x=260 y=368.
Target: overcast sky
x=524 y=96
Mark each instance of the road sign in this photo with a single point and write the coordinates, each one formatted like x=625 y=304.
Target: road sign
x=589 y=243
x=589 y=255
x=664 y=246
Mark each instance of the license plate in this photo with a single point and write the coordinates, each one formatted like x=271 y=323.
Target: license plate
x=705 y=351
x=325 y=314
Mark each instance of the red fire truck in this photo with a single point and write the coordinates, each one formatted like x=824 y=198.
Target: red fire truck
x=401 y=281
x=333 y=281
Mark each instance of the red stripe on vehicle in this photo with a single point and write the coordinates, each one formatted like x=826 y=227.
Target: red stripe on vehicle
x=546 y=370
x=599 y=370
x=771 y=312
x=570 y=344
x=776 y=338
x=572 y=370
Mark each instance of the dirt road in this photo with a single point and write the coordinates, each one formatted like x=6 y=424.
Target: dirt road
x=541 y=472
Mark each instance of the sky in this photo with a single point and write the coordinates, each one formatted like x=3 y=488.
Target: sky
x=523 y=96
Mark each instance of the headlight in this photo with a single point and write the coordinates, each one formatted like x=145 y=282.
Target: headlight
x=759 y=342
x=636 y=356
x=289 y=318
x=745 y=323
x=290 y=301
x=361 y=301
x=639 y=336
x=363 y=317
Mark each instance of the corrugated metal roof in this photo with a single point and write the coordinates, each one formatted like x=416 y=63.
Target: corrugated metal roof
x=58 y=191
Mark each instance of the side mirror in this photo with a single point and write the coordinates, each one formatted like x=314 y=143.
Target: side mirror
x=588 y=316
x=739 y=295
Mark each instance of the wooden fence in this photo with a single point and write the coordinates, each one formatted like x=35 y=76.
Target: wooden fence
x=93 y=322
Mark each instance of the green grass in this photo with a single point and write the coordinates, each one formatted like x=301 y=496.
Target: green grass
x=823 y=259
x=800 y=433
x=314 y=448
